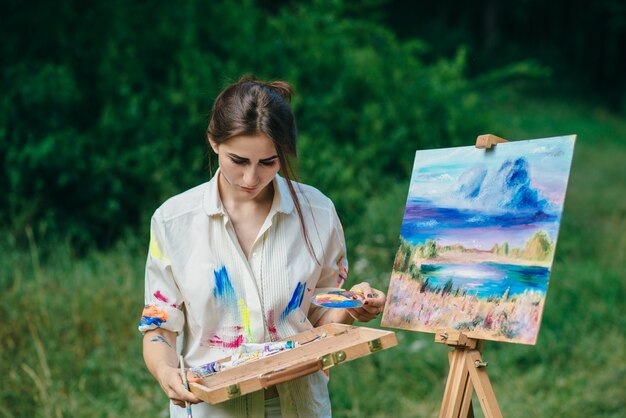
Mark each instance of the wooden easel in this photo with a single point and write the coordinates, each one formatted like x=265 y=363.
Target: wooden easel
x=467 y=368
x=467 y=372
x=488 y=140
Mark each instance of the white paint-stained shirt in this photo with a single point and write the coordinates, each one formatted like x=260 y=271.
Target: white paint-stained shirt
x=200 y=285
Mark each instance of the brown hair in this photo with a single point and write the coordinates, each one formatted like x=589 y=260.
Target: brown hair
x=250 y=107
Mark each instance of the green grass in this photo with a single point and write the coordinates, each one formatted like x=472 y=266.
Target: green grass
x=69 y=345
x=578 y=367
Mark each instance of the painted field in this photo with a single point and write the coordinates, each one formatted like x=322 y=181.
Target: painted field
x=413 y=306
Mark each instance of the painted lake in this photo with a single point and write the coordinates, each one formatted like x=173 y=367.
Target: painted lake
x=487 y=279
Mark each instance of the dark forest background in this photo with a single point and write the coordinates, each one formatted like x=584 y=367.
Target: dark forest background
x=104 y=103
x=582 y=42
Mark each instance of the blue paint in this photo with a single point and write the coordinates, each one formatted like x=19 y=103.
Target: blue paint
x=517 y=180
x=150 y=320
x=350 y=299
x=487 y=279
x=423 y=220
x=223 y=286
x=471 y=182
x=348 y=303
x=296 y=300
x=160 y=338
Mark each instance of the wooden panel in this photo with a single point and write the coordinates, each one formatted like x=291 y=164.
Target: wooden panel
x=340 y=344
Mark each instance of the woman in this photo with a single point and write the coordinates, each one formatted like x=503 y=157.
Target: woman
x=238 y=259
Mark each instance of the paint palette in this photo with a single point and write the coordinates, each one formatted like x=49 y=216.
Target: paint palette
x=338 y=299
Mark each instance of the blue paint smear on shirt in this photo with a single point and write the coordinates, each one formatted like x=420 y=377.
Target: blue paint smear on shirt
x=149 y=320
x=223 y=286
x=296 y=300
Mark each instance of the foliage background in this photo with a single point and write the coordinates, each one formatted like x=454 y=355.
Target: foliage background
x=103 y=114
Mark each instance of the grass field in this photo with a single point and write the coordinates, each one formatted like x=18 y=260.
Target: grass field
x=69 y=345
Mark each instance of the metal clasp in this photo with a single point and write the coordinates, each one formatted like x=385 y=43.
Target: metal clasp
x=233 y=391
x=375 y=345
x=480 y=364
x=329 y=360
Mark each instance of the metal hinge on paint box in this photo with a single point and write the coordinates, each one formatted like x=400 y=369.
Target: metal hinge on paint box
x=321 y=348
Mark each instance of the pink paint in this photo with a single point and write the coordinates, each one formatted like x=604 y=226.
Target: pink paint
x=217 y=341
x=271 y=326
x=160 y=296
x=488 y=322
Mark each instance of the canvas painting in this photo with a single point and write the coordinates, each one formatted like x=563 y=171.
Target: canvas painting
x=478 y=238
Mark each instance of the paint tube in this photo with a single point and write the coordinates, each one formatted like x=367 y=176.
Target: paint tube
x=252 y=351
x=267 y=347
x=208 y=369
x=247 y=352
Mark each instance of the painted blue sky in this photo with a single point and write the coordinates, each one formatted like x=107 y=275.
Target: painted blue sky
x=476 y=198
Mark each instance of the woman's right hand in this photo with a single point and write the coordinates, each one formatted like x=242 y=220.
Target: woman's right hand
x=172 y=384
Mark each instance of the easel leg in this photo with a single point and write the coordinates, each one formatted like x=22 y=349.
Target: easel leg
x=457 y=397
x=484 y=391
x=466 y=410
x=467 y=372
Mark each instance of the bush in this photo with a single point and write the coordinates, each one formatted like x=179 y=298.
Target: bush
x=104 y=115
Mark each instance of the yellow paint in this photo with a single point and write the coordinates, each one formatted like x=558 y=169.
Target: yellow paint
x=245 y=317
x=155 y=251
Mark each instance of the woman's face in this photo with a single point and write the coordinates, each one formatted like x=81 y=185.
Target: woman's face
x=248 y=165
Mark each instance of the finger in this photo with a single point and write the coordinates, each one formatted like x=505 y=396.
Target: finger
x=366 y=289
x=189 y=396
x=179 y=393
x=379 y=296
x=376 y=294
x=370 y=308
x=365 y=318
x=361 y=315
x=362 y=289
x=192 y=377
x=377 y=303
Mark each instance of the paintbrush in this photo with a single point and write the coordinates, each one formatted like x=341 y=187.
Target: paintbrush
x=186 y=384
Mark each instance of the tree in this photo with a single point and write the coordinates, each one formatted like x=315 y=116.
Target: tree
x=538 y=247
x=430 y=249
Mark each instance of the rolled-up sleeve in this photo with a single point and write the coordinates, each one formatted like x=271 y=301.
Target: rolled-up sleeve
x=163 y=300
x=334 y=266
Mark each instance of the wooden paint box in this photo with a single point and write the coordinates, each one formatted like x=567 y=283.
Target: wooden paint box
x=339 y=344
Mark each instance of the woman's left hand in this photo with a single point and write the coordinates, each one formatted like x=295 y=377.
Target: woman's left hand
x=373 y=303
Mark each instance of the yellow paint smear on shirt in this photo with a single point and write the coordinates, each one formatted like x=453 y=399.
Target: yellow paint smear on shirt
x=245 y=317
x=155 y=251
x=153 y=311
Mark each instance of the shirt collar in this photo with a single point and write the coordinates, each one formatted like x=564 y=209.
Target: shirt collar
x=283 y=202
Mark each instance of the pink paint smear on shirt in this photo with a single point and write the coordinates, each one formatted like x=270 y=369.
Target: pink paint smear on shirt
x=160 y=296
x=271 y=326
x=217 y=341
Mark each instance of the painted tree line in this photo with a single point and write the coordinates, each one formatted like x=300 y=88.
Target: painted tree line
x=409 y=257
